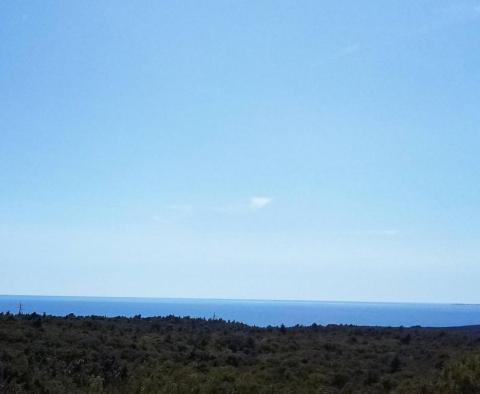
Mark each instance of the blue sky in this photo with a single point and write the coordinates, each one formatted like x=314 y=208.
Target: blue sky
x=273 y=149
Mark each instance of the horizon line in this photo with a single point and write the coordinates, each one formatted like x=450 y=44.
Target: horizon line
x=237 y=299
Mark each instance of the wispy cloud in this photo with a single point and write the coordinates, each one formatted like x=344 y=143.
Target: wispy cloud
x=260 y=202
x=252 y=204
x=183 y=211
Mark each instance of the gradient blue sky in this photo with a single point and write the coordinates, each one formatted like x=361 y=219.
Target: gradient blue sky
x=250 y=149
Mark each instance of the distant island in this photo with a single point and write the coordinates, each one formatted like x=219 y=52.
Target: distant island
x=46 y=354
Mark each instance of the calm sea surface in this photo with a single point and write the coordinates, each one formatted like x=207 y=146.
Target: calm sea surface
x=260 y=313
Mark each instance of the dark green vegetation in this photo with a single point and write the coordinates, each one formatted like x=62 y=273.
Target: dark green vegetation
x=43 y=354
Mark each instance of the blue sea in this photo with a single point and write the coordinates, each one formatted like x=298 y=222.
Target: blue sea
x=255 y=312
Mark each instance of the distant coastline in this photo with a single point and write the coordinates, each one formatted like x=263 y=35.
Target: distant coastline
x=255 y=312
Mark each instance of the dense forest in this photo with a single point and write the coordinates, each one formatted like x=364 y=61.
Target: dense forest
x=45 y=354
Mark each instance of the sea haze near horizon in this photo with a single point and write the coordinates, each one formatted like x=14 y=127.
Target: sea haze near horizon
x=254 y=312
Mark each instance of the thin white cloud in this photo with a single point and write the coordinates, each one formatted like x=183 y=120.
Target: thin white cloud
x=260 y=202
x=182 y=211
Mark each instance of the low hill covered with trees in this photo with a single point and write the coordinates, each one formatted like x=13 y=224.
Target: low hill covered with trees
x=45 y=354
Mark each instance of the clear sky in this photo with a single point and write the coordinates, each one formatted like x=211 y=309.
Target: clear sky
x=241 y=149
